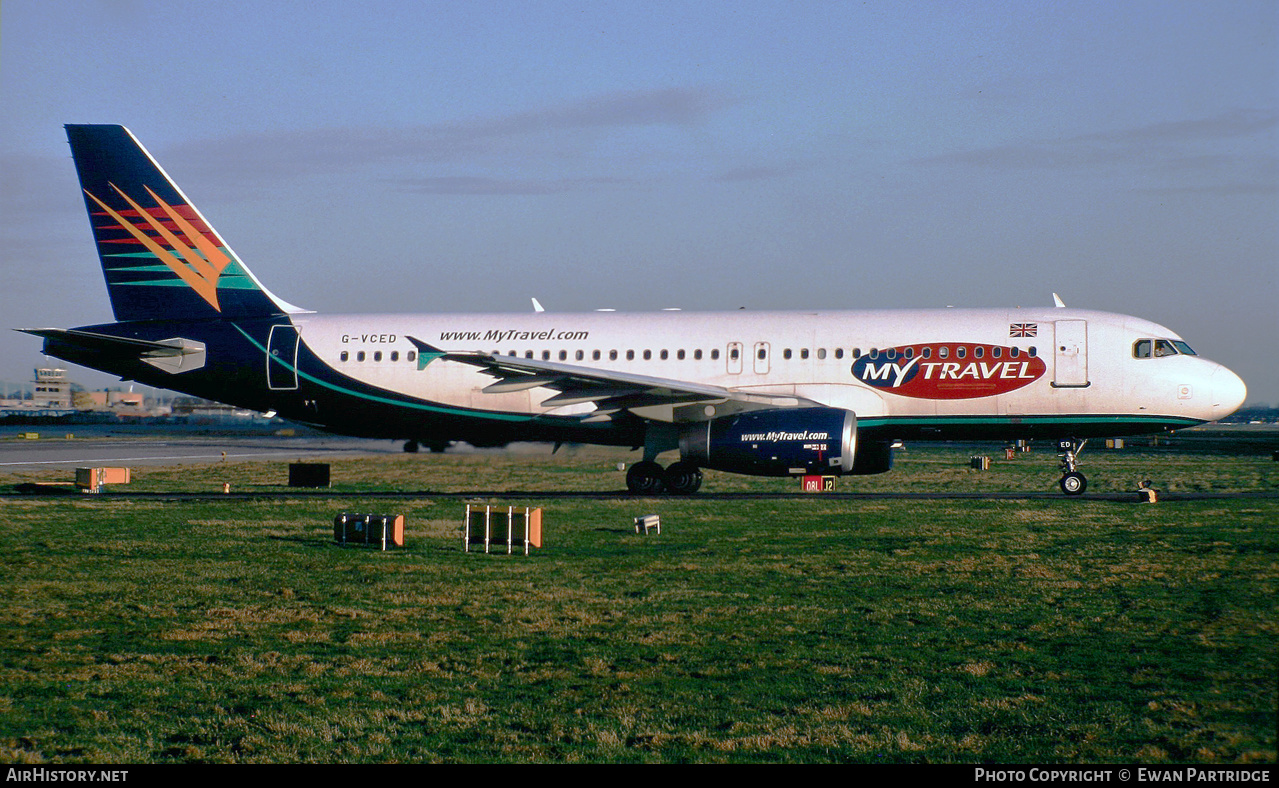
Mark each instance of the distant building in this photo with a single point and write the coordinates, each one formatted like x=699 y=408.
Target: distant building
x=52 y=389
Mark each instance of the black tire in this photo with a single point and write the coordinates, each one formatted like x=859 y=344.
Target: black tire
x=1074 y=483
x=645 y=478
x=683 y=478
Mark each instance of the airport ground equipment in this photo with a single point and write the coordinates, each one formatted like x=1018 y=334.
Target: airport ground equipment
x=91 y=480
x=490 y=527
x=309 y=474
x=381 y=530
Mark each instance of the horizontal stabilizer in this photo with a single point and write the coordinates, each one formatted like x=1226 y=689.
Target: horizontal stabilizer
x=171 y=355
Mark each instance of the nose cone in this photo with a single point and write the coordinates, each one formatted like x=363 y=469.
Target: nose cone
x=1228 y=392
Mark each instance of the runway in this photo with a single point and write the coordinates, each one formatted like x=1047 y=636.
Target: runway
x=294 y=493
x=116 y=447
x=57 y=453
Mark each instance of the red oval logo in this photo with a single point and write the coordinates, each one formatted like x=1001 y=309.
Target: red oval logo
x=946 y=370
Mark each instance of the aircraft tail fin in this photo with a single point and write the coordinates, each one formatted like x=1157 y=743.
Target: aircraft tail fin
x=161 y=259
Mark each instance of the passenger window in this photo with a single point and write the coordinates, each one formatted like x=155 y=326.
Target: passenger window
x=563 y=355
x=714 y=354
x=546 y=355
x=979 y=352
x=648 y=355
x=377 y=355
x=664 y=355
x=412 y=355
x=630 y=355
x=1033 y=351
x=839 y=352
x=359 y=356
x=996 y=352
x=395 y=355
x=345 y=355
x=612 y=355
x=960 y=352
x=821 y=352
x=1014 y=352
x=943 y=352
x=803 y=353
x=697 y=355
x=786 y=353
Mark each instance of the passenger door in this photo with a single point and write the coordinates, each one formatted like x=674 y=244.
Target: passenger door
x=1070 y=354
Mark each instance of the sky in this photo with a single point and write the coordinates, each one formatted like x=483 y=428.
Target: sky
x=470 y=156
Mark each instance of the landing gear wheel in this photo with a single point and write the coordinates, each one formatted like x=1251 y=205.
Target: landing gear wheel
x=645 y=478
x=683 y=478
x=1074 y=483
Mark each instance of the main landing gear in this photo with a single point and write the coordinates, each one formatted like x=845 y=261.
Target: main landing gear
x=648 y=478
x=1072 y=481
x=438 y=446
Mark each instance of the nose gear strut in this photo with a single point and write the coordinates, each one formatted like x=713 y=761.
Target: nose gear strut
x=1072 y=481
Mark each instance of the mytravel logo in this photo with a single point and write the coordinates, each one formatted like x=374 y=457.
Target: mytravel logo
x=944 y=370
x=196 y=257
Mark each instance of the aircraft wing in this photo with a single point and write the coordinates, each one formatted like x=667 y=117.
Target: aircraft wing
x=611 y=391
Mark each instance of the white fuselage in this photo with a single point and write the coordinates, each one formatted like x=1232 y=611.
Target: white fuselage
x=1067 y=362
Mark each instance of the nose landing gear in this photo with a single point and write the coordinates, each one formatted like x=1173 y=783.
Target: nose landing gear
x=1072 y=481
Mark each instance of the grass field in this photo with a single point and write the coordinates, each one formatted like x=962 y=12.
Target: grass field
x=811 y=630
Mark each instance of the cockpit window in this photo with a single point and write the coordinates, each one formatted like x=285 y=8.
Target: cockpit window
x=1158 y=348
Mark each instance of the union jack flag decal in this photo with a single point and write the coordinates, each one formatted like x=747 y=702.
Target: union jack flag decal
x=1023 y=329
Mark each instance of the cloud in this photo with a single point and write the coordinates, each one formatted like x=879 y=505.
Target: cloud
x=754 y=173
x=1140 y=144
x=476 y=185
x=532 y=136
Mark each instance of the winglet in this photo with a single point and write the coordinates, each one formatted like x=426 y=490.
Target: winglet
x=425 y=353
x=1058 y=302
x=537 y=306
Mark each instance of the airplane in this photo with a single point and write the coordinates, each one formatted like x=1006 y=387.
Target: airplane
x=772 y=393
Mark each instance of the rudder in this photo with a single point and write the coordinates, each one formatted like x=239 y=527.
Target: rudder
x=160 y=258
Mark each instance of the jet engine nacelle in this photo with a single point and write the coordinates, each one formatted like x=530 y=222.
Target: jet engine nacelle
x=783 y=442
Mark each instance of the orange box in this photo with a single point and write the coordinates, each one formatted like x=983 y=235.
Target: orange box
x=92 y=479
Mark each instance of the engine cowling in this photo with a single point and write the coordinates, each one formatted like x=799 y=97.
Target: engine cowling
x=784 y=442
